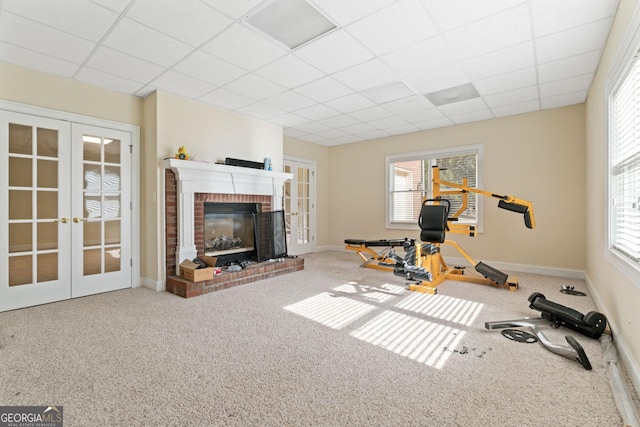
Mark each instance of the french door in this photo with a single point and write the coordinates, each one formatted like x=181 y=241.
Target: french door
x=299 y=206
x=64 y=210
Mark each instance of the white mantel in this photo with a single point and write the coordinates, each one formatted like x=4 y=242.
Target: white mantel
x=199 y=177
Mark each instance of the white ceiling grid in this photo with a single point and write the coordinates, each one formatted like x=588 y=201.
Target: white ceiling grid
x=364 y=80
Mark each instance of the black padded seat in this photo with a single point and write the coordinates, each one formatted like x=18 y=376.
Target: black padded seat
x=354 y=241
x=433 y=222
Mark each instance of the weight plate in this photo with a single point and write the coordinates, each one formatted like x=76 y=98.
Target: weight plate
x=519 y=336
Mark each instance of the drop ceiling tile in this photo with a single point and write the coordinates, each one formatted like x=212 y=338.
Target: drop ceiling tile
x=208 y=68
x=289 y=72
x=143 y=42
x=255 y=87
x=512 y=58
x=235 y=8
x=564 y=100
x=334 y=52
x=463 y=107
x=560 y=87
x=551 y=16
x=456 y=13
x=115 y=5
x=371 y=114
x=189 y=21
x=332 y=134
x=226 y=99
x=349 y=103
x=569 y=67
x=107 y=81
x=77 y=17
x=289 y=119
x=36 y=60
x=324 y=90
x=317 y=112
x=505 y=82
x=345 y=12
x=424 y=55
x=496 y=32
x=520 y=108
x=366 y=75
x=347 y=139
x=398 y=25
x=182 y=85
x=428 y=81
x=434 y=123
x=339 y=121
x=374 y=134
x=25 y=33
x=261 y=111
x=408 y=105
x=422 y=115
x=473 y=116
x=400 y=130
x=359 y=128
x=389 y=122
x=515 y=96
x=244 y=48
x=573 y=42
x=315 y=139
x=388 y=92
x=289 y=101
x=312 y=128
x=123 y=65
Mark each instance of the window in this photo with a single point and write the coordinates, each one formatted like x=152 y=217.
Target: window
x=409 y=181
x=623 y=197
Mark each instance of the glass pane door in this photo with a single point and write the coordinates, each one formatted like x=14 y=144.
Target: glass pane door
x=35 y=188
x=101 y=211
x=299 y=206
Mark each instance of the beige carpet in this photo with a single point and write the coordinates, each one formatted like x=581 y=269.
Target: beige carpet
x=332 y=345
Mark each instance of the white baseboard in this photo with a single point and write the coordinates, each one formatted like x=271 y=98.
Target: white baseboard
x=151 y=284
x=630 y=365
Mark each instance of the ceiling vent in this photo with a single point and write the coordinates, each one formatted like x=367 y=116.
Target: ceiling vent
x=452 y=94
x=292 y=23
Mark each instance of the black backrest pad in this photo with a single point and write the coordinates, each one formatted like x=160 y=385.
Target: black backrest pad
x=433 y=223
x=561 y=311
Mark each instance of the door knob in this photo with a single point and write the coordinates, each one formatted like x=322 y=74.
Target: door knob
x=62 y=220
x=76 y=219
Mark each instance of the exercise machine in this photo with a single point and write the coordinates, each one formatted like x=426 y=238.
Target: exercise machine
x=376 y=254
x=425 y=262
x=592 y=325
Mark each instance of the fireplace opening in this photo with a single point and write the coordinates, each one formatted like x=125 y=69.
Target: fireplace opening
x=229 y=231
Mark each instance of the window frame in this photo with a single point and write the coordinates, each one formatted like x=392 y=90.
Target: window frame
x=619 y=71
x=476 y=149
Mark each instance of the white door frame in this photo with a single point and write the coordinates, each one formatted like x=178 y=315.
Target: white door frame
x=135 y=162
x=312 y=199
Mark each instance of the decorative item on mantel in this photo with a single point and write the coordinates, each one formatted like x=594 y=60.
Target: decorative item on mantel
x=182 y=153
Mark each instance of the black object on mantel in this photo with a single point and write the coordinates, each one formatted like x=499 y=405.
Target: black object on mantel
x=243 y=163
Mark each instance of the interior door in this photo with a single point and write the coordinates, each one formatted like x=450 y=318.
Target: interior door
x=299 y=206
x=101 y=210
x=34 y=210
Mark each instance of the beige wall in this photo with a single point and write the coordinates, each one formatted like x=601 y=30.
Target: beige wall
x=536 y=156
x=619 y=298
x=320 y=154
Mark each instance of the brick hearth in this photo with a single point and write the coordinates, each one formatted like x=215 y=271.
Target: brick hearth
x=252 y=273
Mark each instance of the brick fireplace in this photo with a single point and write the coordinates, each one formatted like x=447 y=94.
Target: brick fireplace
x=188 y=185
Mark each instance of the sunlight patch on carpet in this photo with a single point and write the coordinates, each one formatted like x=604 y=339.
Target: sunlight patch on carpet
x=374 y=293
x=417 y=339
x=333 y=311
x=456 y=310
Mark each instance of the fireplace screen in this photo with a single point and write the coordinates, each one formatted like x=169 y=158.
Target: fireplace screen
x=228 y=230
x=271 y=240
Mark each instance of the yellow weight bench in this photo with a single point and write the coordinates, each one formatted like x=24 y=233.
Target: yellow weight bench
x=383 y=253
